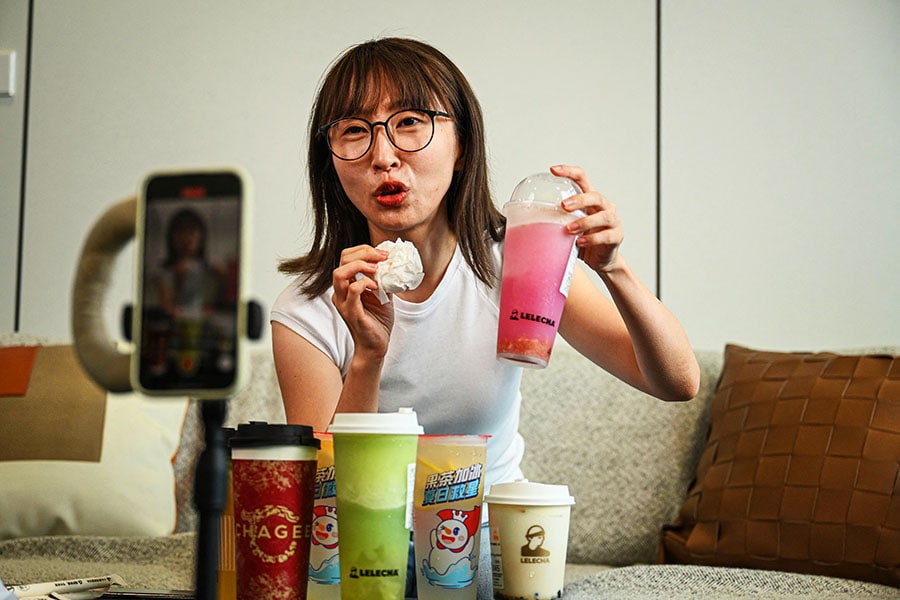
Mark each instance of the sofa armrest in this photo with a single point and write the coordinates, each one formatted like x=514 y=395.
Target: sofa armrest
x=258 y=400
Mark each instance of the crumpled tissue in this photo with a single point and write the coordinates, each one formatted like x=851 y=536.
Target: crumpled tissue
x=400 y=271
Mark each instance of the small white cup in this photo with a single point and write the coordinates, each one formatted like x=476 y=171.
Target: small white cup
x=529 y=525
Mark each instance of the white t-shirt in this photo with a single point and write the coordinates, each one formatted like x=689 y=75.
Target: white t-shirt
x=441 y=360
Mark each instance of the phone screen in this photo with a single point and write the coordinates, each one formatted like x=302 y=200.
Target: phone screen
x=190 y=281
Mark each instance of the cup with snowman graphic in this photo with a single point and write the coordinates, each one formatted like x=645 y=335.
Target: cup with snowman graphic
x=324 y=565
x=449 y=489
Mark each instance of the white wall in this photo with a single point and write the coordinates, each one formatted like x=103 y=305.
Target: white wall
x=13 y=36
x=121 y=87
x=781 y=171
x=779 y=137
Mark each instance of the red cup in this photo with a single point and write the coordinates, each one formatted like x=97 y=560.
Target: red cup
x=274 y=475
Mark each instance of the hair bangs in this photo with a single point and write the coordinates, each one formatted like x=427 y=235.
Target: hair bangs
x=370 y=75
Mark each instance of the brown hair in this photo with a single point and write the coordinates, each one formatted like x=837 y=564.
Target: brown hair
x=418 y=76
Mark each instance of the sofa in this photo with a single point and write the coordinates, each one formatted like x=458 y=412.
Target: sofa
x=643 y=473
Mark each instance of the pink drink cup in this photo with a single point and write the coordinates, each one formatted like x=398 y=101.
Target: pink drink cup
x=532 y=296
x=538 y=261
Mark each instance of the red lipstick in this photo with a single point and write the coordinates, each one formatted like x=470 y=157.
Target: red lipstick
x=390 y=193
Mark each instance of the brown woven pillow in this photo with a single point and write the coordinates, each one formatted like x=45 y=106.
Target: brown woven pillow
x=801 y=470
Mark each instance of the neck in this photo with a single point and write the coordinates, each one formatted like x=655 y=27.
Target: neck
x=436 y=250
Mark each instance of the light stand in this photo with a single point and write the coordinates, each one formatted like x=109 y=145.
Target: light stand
x=211 y=480
x=211 y=474
x=109 y=367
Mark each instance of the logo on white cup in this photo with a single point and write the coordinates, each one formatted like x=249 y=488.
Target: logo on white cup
x=533 y=550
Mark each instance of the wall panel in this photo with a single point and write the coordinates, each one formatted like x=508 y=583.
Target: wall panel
x=120 y=88
x=780 y=171
x=13 y=37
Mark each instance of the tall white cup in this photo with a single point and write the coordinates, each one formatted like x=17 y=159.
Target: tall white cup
x=374 y=472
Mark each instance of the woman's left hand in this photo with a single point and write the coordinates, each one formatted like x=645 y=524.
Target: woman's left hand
x=600 y=231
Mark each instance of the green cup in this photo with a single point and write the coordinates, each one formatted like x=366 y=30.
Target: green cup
x=374 y=466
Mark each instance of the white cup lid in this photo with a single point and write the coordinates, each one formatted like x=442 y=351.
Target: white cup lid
x=525 y=493
x=402 y=422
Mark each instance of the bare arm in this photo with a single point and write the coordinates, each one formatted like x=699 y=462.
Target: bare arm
x=311 y=384
x=634 y=337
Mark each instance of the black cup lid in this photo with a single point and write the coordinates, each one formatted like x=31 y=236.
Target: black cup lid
x=257 y=434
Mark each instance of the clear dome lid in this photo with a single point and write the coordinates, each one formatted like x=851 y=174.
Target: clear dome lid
x=544 y=188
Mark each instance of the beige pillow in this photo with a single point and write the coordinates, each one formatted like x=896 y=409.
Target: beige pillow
x=801 y=470
x=76 y=460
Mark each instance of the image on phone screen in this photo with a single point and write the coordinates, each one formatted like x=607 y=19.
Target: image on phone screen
x=190 y=282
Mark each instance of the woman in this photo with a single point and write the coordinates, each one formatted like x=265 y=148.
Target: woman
x=338 y=349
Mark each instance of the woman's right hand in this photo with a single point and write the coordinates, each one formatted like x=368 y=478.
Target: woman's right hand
x=369 y=321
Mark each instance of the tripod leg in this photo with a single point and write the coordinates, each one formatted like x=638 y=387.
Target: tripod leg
x=210 y=497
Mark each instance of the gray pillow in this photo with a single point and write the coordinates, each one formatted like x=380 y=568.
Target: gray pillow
x=627 y=458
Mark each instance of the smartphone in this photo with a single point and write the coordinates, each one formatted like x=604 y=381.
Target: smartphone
x=189 y=318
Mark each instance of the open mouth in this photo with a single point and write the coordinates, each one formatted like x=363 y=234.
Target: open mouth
x=390 y=193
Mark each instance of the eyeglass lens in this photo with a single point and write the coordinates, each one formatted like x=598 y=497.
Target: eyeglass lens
x=408 y=130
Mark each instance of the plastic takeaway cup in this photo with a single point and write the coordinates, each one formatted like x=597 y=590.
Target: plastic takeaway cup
x=273 y=477
x=374 y=462
x=324 y=565
x=529 y=525
x=447 y=515
x=538 y=262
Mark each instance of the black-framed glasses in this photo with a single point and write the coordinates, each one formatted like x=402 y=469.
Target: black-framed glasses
x=409 y=130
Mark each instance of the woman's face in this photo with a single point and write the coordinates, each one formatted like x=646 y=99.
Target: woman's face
x=187 y=241
x=401 y=192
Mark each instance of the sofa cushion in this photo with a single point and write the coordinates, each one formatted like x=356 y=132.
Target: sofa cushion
x=627 y=457
x=688 y=582
x=76 y=460
x=151 y=562
x=801 y=470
